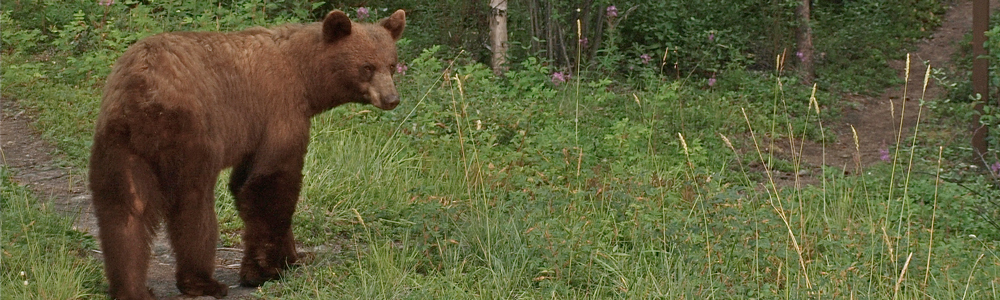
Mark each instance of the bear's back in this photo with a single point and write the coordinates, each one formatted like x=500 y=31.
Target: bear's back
x=219 y=86
x=200 y=66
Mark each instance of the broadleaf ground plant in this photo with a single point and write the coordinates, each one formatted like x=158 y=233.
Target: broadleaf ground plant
x=648 y=170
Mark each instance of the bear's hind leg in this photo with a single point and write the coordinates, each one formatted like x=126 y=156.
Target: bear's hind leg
x=266 y=203
x=193 y=231
x=127 y=203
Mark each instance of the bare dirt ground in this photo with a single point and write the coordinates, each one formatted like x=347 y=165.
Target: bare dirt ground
x=876 y=120
x=33 y=165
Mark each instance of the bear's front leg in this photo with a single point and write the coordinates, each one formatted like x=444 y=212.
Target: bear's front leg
x=266 y=195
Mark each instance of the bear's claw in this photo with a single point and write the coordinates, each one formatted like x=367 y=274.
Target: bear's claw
x=254 y=275
x=209 y=287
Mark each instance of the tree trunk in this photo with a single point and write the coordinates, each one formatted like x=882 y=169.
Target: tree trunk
x=980 y=76
x=805 y=53
x=586 y=24
x=498 y=35
x=598 y=36
x=536 y=26
x=550 y=49
x=562 y=47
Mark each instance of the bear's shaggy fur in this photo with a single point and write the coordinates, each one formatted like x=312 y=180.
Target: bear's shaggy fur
x=180 y=107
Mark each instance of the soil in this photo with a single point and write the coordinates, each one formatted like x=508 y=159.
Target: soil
x=35 y=166
x=876 y=120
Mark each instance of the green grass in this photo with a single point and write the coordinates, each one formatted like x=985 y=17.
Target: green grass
x=621 y=232
x=43 y=257
x=486 y=187
x=448 y=198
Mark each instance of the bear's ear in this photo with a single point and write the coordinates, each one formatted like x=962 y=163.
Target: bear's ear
x=336 y=25
x=395 y=24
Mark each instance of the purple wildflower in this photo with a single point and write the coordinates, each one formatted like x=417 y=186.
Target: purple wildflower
x=711 y=36
x=583 y=42
x=362 y=13
x=645 y=58
x=883 y=153
x=105 y=2
x=401 y=69
x=802 y=56
x=558 y=77
x=711 y=81
x=612 y=11
x=995 y=168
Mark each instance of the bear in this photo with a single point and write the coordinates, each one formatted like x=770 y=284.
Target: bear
x=178 y=108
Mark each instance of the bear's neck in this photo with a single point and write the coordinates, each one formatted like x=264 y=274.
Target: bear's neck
x=300 y=43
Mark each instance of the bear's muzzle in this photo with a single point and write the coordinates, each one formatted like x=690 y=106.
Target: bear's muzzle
x=382 y=92
x=389 y=102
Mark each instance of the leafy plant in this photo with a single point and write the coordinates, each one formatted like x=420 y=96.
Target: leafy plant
x=627 y=181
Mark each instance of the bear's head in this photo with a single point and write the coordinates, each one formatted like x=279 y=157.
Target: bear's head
x=357 y=61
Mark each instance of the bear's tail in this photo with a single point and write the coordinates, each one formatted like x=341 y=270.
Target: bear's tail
x=128 y=203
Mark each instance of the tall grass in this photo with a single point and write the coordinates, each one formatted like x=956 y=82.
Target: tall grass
x=43 y=258
x=889 y=253
x=461 y=229
x=488 y=187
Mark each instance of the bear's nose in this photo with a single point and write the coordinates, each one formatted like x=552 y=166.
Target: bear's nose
x=390 y=101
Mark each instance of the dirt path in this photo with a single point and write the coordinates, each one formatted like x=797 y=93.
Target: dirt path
x=877 y=119
x=30 y=158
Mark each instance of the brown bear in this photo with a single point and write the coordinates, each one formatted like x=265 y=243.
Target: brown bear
x=180 y=107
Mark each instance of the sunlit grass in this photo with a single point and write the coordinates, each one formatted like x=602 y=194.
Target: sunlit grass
x=486 y=187
x=863 y=221
x=43 y=257
x=696 y=240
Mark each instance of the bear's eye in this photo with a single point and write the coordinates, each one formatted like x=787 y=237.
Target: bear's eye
x=368 y=70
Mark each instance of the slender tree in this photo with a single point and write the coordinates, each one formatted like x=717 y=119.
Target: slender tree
x=498 y=35
x=805 y=52
x=980 y=79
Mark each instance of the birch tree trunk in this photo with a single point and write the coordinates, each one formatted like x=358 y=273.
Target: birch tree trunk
x=498 y=35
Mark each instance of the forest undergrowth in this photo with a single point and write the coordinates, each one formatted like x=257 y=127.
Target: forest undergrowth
x=621 y=179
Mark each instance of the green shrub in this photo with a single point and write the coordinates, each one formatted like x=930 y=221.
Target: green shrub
x=621 y=181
